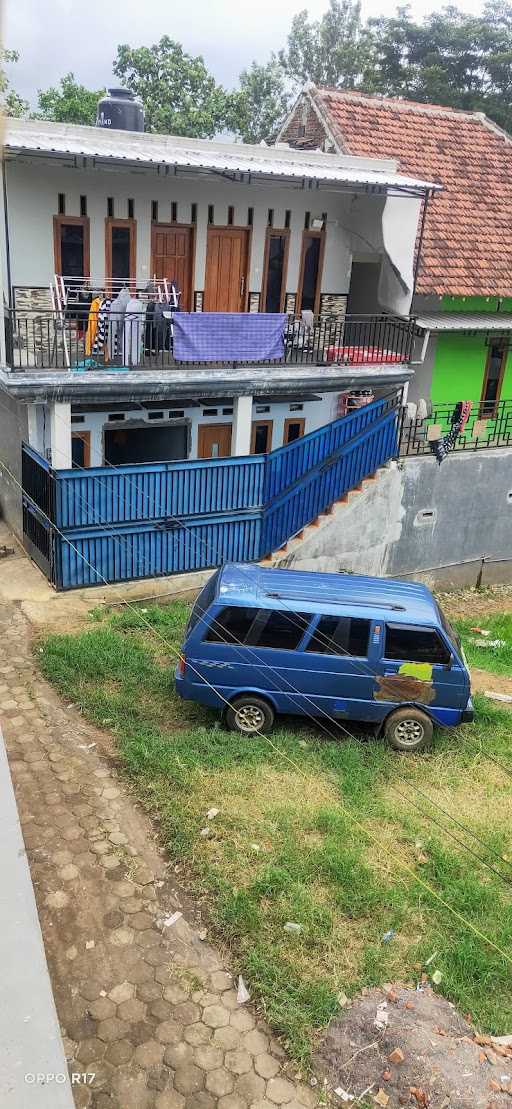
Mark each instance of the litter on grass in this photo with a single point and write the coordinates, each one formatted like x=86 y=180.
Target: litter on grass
x=243 y=994
x=212 y=813
x=292 y=927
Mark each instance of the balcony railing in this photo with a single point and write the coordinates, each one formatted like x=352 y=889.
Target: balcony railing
x=489 y=425
x=46 y=341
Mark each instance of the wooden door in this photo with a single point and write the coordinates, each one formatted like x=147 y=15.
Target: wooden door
x=293 y=429
x=227 y=256
x=80 y=449
x=71 y=245
x=214 y=441
x=310 y=273
x=172 y=252
x=120 y=250
x=261 y=437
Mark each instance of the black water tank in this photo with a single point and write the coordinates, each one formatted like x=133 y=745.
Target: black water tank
x=120 y=109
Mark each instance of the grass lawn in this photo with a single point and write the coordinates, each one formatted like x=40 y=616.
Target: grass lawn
x=496 y=659
x=327 y=834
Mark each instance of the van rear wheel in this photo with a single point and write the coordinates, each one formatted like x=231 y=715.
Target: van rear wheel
x=408 y=729
x=250 y=715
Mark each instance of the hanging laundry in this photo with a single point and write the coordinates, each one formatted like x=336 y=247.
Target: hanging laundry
x=116 y=322
x=100 y=339
x=460 y=416
x=92 y=324
x=133 y=331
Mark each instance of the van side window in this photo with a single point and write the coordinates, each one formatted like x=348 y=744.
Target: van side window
x=231 y=625
x=415 y=645
x=340 y=635
x=281 y=630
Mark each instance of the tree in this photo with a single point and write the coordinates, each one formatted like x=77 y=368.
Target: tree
x=10 y=103
x=68 y=102
x=334 y=50
x=454 y=59
x=261 y=103
x=180 y=97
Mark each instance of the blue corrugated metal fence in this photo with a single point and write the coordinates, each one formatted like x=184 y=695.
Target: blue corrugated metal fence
x=138 y=521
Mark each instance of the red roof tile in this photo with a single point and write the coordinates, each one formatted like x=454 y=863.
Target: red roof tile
x=467 y=245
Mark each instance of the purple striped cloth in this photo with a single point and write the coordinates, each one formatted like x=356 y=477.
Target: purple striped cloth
x=228 y=336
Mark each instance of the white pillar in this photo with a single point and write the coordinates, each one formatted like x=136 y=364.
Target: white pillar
x=242 y=425
x=60 y=429
x=33 y=428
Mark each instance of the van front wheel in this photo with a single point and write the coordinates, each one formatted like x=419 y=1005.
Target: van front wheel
x=408 y=729
x=250 y=715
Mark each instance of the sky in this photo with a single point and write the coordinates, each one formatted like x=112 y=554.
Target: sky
x=56 y=36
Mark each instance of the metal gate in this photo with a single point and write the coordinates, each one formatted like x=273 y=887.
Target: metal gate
x=104 y=524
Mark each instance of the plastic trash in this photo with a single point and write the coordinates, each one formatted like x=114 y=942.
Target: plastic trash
x=243 y=994
x=388 y=935
x=292 y=927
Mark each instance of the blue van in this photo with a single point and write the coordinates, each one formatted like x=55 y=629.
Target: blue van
x=339 y=646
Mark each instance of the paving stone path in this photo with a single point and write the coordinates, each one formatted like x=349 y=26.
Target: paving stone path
x=148 y=1008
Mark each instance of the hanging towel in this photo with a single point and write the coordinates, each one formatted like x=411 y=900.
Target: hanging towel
x=460 y=416
x=229 y=336
x=100 y=340
x=92 y=325
x=133 y=331
x=116 y=322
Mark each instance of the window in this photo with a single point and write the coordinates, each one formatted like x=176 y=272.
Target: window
x=203 y=601
x=231 y=625
x=121 y=249
x=270 y=217
x=227 y=411
x=231 y=215
x=310 y=270
x=263 y=408
x=307 y=220
x=77 y=419
x=193 y=213
x=288 y=218
x=281 y=630
x=415 y=645
x=210 y=411
x=110 y=207
x=176 y=413
x=492 y=382
x=131 y=208
x=174 y=211
x=61 y=204
x=115 y=416
x=296 y=407
x=250 y=217
x=71 y=245
x=274 y=270
x=211 y=213
x=83 y=205
x=340 y=635
x=154 y=211
x=155 y=415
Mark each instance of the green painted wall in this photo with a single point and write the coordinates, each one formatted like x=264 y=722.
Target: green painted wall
x=459 y=368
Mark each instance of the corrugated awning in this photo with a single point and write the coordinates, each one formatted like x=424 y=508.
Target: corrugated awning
x=231 y=160
x=466 y=321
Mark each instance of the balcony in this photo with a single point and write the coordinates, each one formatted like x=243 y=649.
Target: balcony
x=43 y=341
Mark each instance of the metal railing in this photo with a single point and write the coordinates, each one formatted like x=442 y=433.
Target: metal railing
x=489 y=425
x=44 y=340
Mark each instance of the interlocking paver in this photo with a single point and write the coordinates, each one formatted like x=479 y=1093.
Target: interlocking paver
x=127 y=993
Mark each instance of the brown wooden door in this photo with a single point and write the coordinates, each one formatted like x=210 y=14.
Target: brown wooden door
x=80 y=449
x=172 y=251
x=214 y=441
x=261 y=437
x=293 y=429
x=227 y=255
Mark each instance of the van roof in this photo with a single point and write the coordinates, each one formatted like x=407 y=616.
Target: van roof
x=384 y=598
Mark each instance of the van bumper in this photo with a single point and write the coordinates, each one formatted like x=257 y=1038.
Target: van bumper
x=468 y=714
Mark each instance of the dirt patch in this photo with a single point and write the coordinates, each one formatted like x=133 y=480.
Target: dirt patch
x=443 y=1067
x=474 y=602
x=484 y=680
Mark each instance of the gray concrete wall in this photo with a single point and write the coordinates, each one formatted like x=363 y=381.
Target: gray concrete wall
x=420 y=386
x=13 y=428
x=422 y=520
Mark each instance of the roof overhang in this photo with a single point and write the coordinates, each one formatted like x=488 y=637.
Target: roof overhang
x=258 y=381
x=98 y=148
x=465 y=321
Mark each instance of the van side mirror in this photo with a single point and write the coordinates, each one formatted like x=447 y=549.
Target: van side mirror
x=448 y=665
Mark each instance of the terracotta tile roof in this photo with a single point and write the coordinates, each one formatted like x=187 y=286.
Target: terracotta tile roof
x=467 y=246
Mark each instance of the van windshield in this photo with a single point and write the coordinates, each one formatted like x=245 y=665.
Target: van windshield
x=451 y=633
x=202 y=602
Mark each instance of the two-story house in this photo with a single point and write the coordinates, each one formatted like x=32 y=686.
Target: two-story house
x=253 y=239
x=463 y=296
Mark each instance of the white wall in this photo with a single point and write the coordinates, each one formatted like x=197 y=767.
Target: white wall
x=315 y=413
x=33 y=188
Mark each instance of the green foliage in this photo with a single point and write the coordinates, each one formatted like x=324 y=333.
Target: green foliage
x=68 y=102
x=496 y=659
x=333 y=50
x=260 y=104
x=180 y=97
x=10 y=103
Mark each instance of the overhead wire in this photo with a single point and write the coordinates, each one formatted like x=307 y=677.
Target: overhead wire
x=283 y=754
